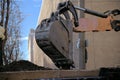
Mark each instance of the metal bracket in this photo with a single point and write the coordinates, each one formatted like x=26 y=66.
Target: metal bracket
x=64 y=7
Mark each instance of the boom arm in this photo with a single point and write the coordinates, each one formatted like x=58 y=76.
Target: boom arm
x=105 y=21
x=92 y=12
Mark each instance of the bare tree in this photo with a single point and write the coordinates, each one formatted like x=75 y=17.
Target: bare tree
x=4 y=8
x=11 y=19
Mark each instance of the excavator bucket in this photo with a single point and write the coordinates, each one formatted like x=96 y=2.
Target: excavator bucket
x=55 y=39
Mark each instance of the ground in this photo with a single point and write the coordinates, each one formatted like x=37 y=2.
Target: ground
x=21 y=65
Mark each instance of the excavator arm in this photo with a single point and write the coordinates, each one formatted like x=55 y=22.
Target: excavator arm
x=106 y=23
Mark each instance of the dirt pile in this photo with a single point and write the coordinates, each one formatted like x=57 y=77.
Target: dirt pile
x=21 y=65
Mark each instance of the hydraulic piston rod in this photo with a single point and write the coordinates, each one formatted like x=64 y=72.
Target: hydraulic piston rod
x=91 y=12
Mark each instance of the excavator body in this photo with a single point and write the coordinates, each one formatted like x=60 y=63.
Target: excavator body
x=54 y=35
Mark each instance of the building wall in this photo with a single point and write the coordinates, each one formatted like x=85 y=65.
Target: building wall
x=48 y=6
x=30 y=45
x=103 y=47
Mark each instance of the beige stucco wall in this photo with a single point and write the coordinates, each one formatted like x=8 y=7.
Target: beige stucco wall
x=103 y=47
x=48 y=6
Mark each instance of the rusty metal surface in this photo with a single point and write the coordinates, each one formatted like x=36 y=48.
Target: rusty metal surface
x=93 y=24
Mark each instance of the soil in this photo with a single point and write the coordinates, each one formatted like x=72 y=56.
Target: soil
x=21 y=65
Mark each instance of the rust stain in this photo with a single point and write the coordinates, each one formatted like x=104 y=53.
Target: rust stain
x=93 y=24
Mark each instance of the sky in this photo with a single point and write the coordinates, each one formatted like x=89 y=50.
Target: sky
x=30 y=11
